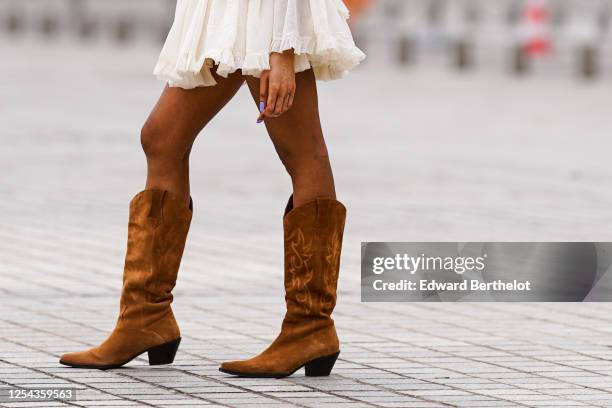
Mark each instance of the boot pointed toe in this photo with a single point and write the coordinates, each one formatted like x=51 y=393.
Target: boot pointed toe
x=78 y=359
x=246 y=368
x=68 y=358
x=230 y=367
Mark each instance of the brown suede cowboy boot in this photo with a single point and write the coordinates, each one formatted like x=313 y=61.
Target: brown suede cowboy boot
x=157 y=231
x=313 y=242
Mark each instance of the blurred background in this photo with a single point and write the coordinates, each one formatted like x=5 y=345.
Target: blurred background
x=570 y=37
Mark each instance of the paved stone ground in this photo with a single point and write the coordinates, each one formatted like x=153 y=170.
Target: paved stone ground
x=419 y=155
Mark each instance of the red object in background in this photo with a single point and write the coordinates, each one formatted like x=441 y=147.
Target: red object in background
x=536 y=23
x=538 y=47
x=357 y=7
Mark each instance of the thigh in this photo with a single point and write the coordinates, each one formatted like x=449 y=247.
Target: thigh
x=297 y=133
x=180 y=114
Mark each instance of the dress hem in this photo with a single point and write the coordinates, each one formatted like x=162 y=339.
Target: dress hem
x=330 y=57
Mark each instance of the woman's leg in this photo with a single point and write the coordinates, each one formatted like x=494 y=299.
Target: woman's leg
x=158 y=226
x=313 y=241
x=172 y=127
x=298 y=140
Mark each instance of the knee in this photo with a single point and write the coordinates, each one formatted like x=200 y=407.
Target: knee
x=158 y=143
x=150 y=137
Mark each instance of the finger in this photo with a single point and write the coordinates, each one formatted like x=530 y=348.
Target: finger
x=286 y=103
x=281 y=102
x=263 y=94
x=262 y=108
x=292 y=97
x=289 y=102
x=272 y=101
x=264 y=83
x=279 y=109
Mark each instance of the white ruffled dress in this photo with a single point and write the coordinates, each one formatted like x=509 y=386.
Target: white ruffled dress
x=236 y=35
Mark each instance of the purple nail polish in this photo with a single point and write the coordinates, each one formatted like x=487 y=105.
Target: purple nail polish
x=262 y=107
x=259 y=120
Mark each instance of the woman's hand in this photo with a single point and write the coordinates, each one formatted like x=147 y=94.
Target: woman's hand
x=277 y=86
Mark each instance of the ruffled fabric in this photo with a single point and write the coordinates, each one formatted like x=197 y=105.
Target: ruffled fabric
x=236 y=35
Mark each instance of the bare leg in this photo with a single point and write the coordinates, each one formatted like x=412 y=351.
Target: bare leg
x=168 y=134
x=157 y=231
x=313 y=242
x=298 y=140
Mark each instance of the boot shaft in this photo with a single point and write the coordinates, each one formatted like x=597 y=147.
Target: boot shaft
x=313 y=243
x=158 y=227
